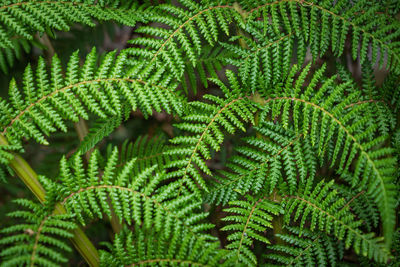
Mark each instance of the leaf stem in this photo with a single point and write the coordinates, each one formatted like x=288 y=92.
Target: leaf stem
x=25 y=172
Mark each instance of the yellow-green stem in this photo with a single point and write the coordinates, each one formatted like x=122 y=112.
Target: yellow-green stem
x=24 y=171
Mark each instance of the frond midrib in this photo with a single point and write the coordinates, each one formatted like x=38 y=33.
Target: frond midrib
x=294 y=140
x=94 y=187
x=167 y=40
x=184 y=176
x=35 y=245
x=253 y=208
x=370 y=241
x=65 y=88
x=313 y=5
x=370 y=161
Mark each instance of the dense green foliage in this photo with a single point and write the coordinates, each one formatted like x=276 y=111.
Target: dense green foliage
x=223 y=133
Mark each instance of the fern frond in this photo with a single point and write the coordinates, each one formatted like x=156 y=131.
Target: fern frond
x=268 y=53
x=39 y=240
x=209 y=62
x=47 y=100
x=249 y=220
x=148 y=151
x=25 y=18
x=181 y=33
x=391 y=92
x=135 y=198
x=377 y=107
x=344 y=135
x=181 y=249
x=324 y=25
x=98 y=132
x=306 y=249
x=275 y=157
x=9 y=56
x=361 y=205
x=321 y=206
x=206 y=124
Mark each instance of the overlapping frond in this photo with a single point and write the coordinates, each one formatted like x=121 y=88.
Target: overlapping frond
x=209 y=62
x=324 y=25
x=9 y=56
x=275 y=157
x=247 y=222
x=148 y=151
x=344 y=135
x=206 y=124
x=182 y=33
x=135 y=198
x=322 y=209
x=38 y=240
x=98 y=132
x=22 y=19
x=48 y=99
x=311 y=248
x=361 y=205
x=267 y=52
x=181 y=249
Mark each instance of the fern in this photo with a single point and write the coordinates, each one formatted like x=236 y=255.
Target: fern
x=185 y=28
x=206 y=123
x=290 y=158
x=148 y=151
x=181 y=249
x=374 y=168
x=209 y=62
x=325 y=24
x=250 y=219
x=98 y=132
x=277 y=157
x=311 y=248
x=35 y=112
x=36 y=241
x=138 y=199
x=25 y=18
x=330 y=214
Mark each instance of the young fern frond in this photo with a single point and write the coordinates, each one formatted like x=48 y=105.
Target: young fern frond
x=207 y=123
x=185 y=29
x=321 y=206
x=48 y=99
x=24 y=18
x=276 y=157
x=181 y=249
x=247 y=223
x=312 y=248
x=39 y=240
x=344 y=135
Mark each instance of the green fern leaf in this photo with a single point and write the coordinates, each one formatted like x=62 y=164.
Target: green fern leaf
x=39 y=240
x=249 y=220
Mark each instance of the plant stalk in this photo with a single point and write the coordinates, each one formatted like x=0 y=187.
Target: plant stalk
x=24 y=171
